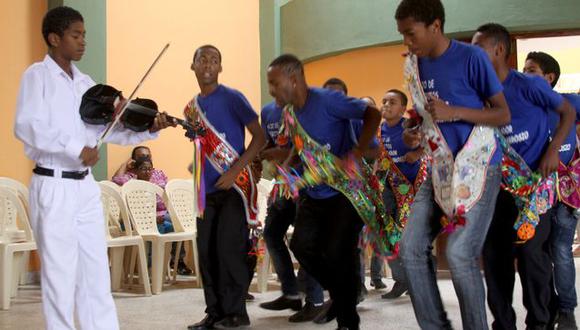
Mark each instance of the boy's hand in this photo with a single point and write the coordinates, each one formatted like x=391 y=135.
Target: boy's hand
x=549 y=162
x=161 y=122
x=227 y=180
x=89 y=156
x=439 y=110
x=412 y=156
x=412 y=137
x=274 y=154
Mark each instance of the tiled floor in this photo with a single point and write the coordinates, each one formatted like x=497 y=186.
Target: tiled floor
x=181 y=304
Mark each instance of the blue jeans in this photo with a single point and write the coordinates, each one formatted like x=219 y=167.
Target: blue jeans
x=280 y=216
x=166 y=226
x=463 y=250
x=377 y=264
x=561 y=240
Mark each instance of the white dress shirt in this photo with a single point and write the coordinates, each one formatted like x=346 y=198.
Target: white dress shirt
x=48 y=121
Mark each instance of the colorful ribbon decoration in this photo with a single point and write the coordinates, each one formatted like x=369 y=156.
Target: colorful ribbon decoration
x=458 y=182
x=221 y=155
x=533 y=195
x=403 y=190
x=355 y=182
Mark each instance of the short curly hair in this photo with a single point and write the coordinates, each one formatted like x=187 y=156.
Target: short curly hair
x=499 y=33
x=338 y=82
x=547 y=63
x=57 y=20
x=401 y=95
x=288 y=63
x=425 y=11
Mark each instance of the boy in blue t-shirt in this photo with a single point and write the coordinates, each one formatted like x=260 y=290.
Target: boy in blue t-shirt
x=281 y=214
x=222 y=233
x=377 y=263
x=407 y=161
x=530 y=100
x=459 y=80
x=327 y=225
x=564 y=217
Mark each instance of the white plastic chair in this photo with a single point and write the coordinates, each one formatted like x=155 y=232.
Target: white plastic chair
x=180 y=201
x=264 y=268
x=116 y=212
x=14 y=242
x=140 y=197
x=22 y=192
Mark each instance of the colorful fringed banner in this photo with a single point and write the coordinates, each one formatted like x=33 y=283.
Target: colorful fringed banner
x=458 y=182
x=355 y=182
x=221 y=156
x=533 y=195
x=568 y=183
x=403 y=190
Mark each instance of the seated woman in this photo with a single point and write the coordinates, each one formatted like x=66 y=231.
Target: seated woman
x=128 y=166
x=142 y=169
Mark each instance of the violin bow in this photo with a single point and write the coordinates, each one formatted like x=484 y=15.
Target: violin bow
x=109 y=129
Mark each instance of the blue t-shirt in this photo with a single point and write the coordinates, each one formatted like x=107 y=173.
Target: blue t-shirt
x=464 y=77
x=392 y=139
x=357 y=130
x=574 y=99
x=326 y=117
x=271 y=120
x=530 y=99
x=569 y=146
x=229 y=112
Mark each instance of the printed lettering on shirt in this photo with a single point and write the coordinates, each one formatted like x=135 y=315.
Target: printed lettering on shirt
x=518 y=138
x=565 y=147
x=273 y=127
x=507 y=129
x=428 y=84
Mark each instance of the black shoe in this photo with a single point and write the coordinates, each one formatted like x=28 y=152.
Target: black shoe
x=233 y=322
x=282 y=303
x=327 y=313
x=378 y=284
x=397 y=291
x=184 y=271
x=208 y=322
x=308 y=313
x=566 y=320
x=250 y=297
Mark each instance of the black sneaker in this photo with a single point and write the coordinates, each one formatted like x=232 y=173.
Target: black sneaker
x=327 y=313
x=397 y=291
x=378 y=284
x=233 y=322
x=282 y=303
x=208 y=322
x=567 y=321
x=308 y=313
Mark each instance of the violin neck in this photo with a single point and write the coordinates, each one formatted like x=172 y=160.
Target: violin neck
x=179 y=121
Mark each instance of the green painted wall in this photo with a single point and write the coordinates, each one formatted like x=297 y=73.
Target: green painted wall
x=312 y=29
x=268 y=32
x=94 y=62
x=270 y=41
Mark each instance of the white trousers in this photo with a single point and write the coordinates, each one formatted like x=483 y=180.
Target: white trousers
x=67 y=219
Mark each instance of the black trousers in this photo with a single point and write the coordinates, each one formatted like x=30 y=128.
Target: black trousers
x=533 y=264
x=222 y=242
x=325 y=241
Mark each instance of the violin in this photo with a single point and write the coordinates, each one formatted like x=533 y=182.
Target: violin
x=100 y=101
